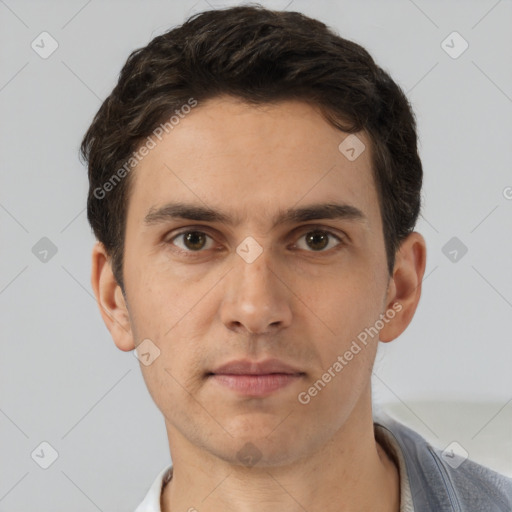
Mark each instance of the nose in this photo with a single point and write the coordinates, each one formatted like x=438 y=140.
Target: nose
x=256 y=298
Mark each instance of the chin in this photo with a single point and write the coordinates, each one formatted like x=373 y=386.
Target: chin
x=262 y=445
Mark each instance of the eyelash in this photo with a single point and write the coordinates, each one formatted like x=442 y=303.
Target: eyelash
x=312 y=229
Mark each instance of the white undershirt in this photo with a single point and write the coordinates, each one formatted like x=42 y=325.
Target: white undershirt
x=388 y=442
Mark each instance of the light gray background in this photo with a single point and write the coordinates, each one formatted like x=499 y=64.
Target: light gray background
x=63 y=381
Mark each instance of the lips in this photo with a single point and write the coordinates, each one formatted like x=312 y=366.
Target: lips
x=255 y=379
x=246 y=367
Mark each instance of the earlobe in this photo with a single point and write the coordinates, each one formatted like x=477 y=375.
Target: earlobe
x=110 y=299
x=404 y=288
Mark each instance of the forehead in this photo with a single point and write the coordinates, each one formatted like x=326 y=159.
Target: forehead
x=255 y=160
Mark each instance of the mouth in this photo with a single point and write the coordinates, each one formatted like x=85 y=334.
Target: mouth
x=255 y=379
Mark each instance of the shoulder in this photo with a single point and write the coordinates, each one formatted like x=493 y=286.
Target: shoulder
x=445 y=481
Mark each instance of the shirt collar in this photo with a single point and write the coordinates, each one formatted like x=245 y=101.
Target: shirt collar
x=151 y=502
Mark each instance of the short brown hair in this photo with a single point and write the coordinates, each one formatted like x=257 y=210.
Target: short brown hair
x=260 y=56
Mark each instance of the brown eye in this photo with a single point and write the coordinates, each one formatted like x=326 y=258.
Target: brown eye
x=192 y=241
x=318 y=240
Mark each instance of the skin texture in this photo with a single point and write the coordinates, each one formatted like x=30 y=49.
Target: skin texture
x=295 y=302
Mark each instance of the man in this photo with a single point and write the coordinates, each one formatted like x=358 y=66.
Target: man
x=254 y=186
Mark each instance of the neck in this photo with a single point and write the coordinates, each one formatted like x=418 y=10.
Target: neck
x=349 y=472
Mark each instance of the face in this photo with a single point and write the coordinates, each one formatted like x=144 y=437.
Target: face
x=233 y=254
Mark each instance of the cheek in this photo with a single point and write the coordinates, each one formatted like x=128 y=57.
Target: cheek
x=349 y=302
x=160 y=298
x=347 y=349
x=160 y=311
x=331 y=396
x=175 y=375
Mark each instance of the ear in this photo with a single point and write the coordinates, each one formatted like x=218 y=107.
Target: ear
x=110 y=299
x=404 y=289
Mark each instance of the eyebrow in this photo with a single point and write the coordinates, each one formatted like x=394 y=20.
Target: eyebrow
x=194 y=212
